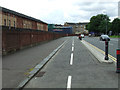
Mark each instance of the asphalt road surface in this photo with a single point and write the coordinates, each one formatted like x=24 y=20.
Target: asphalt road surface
x=75 y=67
x=15 y=67
x=113 y=44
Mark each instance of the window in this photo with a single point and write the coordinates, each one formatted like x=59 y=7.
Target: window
x=14 y=23
x=8 y=15
x=84 y=26
x=9 y=23
x=4 y=22
x=13 y=16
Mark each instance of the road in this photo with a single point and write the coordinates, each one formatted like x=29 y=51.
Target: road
x=75 y=67
x=113 y=44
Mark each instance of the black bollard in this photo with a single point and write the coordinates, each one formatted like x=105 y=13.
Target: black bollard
x=106 y=50
x=118 y=60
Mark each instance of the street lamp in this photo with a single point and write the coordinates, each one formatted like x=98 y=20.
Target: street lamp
x=104 y=12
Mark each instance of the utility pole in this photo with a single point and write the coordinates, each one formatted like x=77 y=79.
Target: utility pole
x=104 y=12
x=106 y=24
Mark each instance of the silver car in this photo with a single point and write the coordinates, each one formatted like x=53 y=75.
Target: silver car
x=104 y=38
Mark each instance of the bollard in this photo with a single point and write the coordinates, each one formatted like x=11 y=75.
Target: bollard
x=118 y=60
x=106 y=50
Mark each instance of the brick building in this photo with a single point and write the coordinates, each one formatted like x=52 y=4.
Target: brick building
x=60 y=29
x=78 y=28
x=14 y=19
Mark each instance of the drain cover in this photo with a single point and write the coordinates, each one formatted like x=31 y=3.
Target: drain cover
x=40 y=74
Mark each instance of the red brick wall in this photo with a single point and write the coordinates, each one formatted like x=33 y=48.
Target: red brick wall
x=17 y=38
x=19 y=22
x=34 y=25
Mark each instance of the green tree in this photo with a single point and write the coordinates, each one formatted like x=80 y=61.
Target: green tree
x=102 y=27
x=115 y=27
x=87 y=27
x=98 y=23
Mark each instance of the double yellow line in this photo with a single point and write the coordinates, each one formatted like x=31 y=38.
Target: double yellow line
x=110 y=56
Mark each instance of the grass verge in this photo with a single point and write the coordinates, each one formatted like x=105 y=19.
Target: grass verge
x=115 y=36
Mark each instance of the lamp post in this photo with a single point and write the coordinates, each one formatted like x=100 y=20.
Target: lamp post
x=104 y=12
x=106 y=23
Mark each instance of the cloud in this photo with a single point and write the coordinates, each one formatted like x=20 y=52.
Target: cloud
x=89 y=9
x=60 y=11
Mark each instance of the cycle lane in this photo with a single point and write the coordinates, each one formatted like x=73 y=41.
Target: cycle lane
x=84 y=72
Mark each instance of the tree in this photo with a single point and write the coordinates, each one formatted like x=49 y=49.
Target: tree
x=86 y=27
x=98 y=23
x=115 y=27
x=102 y=27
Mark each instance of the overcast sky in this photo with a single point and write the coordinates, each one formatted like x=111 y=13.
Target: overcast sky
x=61 y=11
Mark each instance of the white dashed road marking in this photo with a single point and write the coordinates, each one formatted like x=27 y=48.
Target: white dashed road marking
x=69 y=83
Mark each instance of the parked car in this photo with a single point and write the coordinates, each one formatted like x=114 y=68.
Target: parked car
x=104 y=38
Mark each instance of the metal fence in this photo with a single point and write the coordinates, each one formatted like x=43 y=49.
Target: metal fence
x=17 y=38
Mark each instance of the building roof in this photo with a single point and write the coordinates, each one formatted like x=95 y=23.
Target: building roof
x=70 y=23
x=20 y=14
x=80 y=23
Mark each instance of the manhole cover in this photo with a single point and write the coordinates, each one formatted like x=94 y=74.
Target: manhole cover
x=40 y=74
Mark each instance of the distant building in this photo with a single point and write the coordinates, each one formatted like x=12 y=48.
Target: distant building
x=14 y=19
x=78 y=28
x=60 y=29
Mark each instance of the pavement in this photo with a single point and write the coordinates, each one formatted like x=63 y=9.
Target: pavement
x=113 y=44
x=16 y=67
x=97 y=53
x=74 y=66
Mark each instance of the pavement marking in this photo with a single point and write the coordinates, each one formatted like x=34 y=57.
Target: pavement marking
x=115 y=40
x=69 y=83
x=71 y=59
x=109 y=43
x=110 y=56
x=73 y=43
x=102 y=42
x=72 y=49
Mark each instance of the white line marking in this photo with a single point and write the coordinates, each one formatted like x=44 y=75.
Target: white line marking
x=111 y=44
x=71 y=59
x=72 y=48
x=73 y=44
x=73 y=41
x=114 y=40
x=69 y=83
